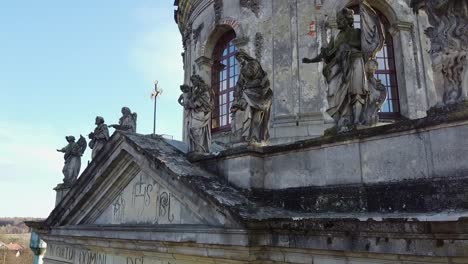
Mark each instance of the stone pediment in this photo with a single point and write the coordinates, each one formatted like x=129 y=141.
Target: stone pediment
x=142 y=180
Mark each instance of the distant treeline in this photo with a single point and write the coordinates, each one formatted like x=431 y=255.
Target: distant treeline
x=15 y=225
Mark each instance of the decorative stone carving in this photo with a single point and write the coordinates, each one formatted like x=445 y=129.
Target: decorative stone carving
x=253 y=96
x=187 y=36
x=218 y=8
x=259 y=41
x=127 y=122
x=350 y=91
x=73 y=152
x=196 y=33
x=99 y=137
x=253 y=5
x=198 y=104
x=449 y=49
x=377 y=95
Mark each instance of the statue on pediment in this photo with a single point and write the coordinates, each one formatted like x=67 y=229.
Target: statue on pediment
x=253 y=96
x=73 y=152
x=127 y=122
x=346 y=60
x=99 y=137
x=198 y=104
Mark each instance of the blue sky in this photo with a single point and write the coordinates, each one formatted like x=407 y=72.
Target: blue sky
x=64 y=62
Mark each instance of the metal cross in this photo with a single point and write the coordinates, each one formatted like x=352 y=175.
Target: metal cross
x=154 y=95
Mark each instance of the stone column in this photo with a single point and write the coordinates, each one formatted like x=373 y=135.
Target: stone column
x=413 y=101
x=38 y=246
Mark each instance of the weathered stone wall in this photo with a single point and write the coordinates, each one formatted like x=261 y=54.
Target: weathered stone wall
x=408 y=154
x=281 y=33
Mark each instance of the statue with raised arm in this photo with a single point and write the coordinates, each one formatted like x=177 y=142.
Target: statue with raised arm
x=99 y=137
x=253 y=96
x=73 y=152
x=198 y=102
x=127 y=122
x=345 y=59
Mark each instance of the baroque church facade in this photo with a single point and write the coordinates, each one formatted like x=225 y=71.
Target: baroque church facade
x=391 y=192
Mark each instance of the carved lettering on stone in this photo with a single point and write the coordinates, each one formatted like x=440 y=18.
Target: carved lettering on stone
x=165 y=206
x=141 y=192
x=91 y=257
x=143 y=201
x=119 y=209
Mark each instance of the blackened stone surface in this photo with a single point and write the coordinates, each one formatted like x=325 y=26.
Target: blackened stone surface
x=406 y=196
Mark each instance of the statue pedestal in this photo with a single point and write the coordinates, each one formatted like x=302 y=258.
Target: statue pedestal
x=62 y=190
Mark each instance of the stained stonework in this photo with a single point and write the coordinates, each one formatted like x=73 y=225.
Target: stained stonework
x=144 y=201
x=259 y=42
x=252 y=5
x=218 y=8
x=196 y=33
x=449 y=49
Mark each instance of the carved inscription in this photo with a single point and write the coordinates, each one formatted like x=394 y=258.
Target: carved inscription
x=165 y=206
x=89 y=257
x=119 y=209
x=141 y=191
x=62 y=252
x=131 y=260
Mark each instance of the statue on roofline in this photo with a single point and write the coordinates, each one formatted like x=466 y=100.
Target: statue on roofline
x=73 y=152
x=253 y=97
x=354 y=95
x=127 y=122
x=197 y=101
x=99 y=137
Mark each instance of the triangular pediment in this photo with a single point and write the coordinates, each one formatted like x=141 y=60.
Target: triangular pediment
x=140 y=180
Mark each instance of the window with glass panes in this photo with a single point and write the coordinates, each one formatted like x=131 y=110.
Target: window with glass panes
x=386 y=71
x=225 y=73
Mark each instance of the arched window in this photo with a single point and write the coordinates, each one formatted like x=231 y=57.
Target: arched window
x=225 y=73
x=386 y=71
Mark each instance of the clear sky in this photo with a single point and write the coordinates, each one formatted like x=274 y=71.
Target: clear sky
x=64 y=62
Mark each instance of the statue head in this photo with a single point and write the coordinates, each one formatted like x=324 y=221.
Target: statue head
x=185 y=88
x=243 y=57
x=126 y=111
x=70 y=139
x=196 y=80
x=345 y=18
x=371 y=66
x=99 y=120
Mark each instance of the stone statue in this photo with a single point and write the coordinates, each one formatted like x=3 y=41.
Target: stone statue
x=449 y=49
x=127 y=122
x=346 y=57
x=253 y=96
x=198 y=102
x=73 y=152
x=99 y=137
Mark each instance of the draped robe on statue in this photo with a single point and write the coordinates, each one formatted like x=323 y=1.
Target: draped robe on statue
x=199 y=112
x=254 y=97
x=345 y=74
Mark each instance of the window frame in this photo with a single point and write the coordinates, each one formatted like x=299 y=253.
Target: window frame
x=387 y=72
x=223 y=81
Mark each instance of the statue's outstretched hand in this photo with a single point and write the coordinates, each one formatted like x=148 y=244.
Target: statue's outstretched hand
x=306 y=60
